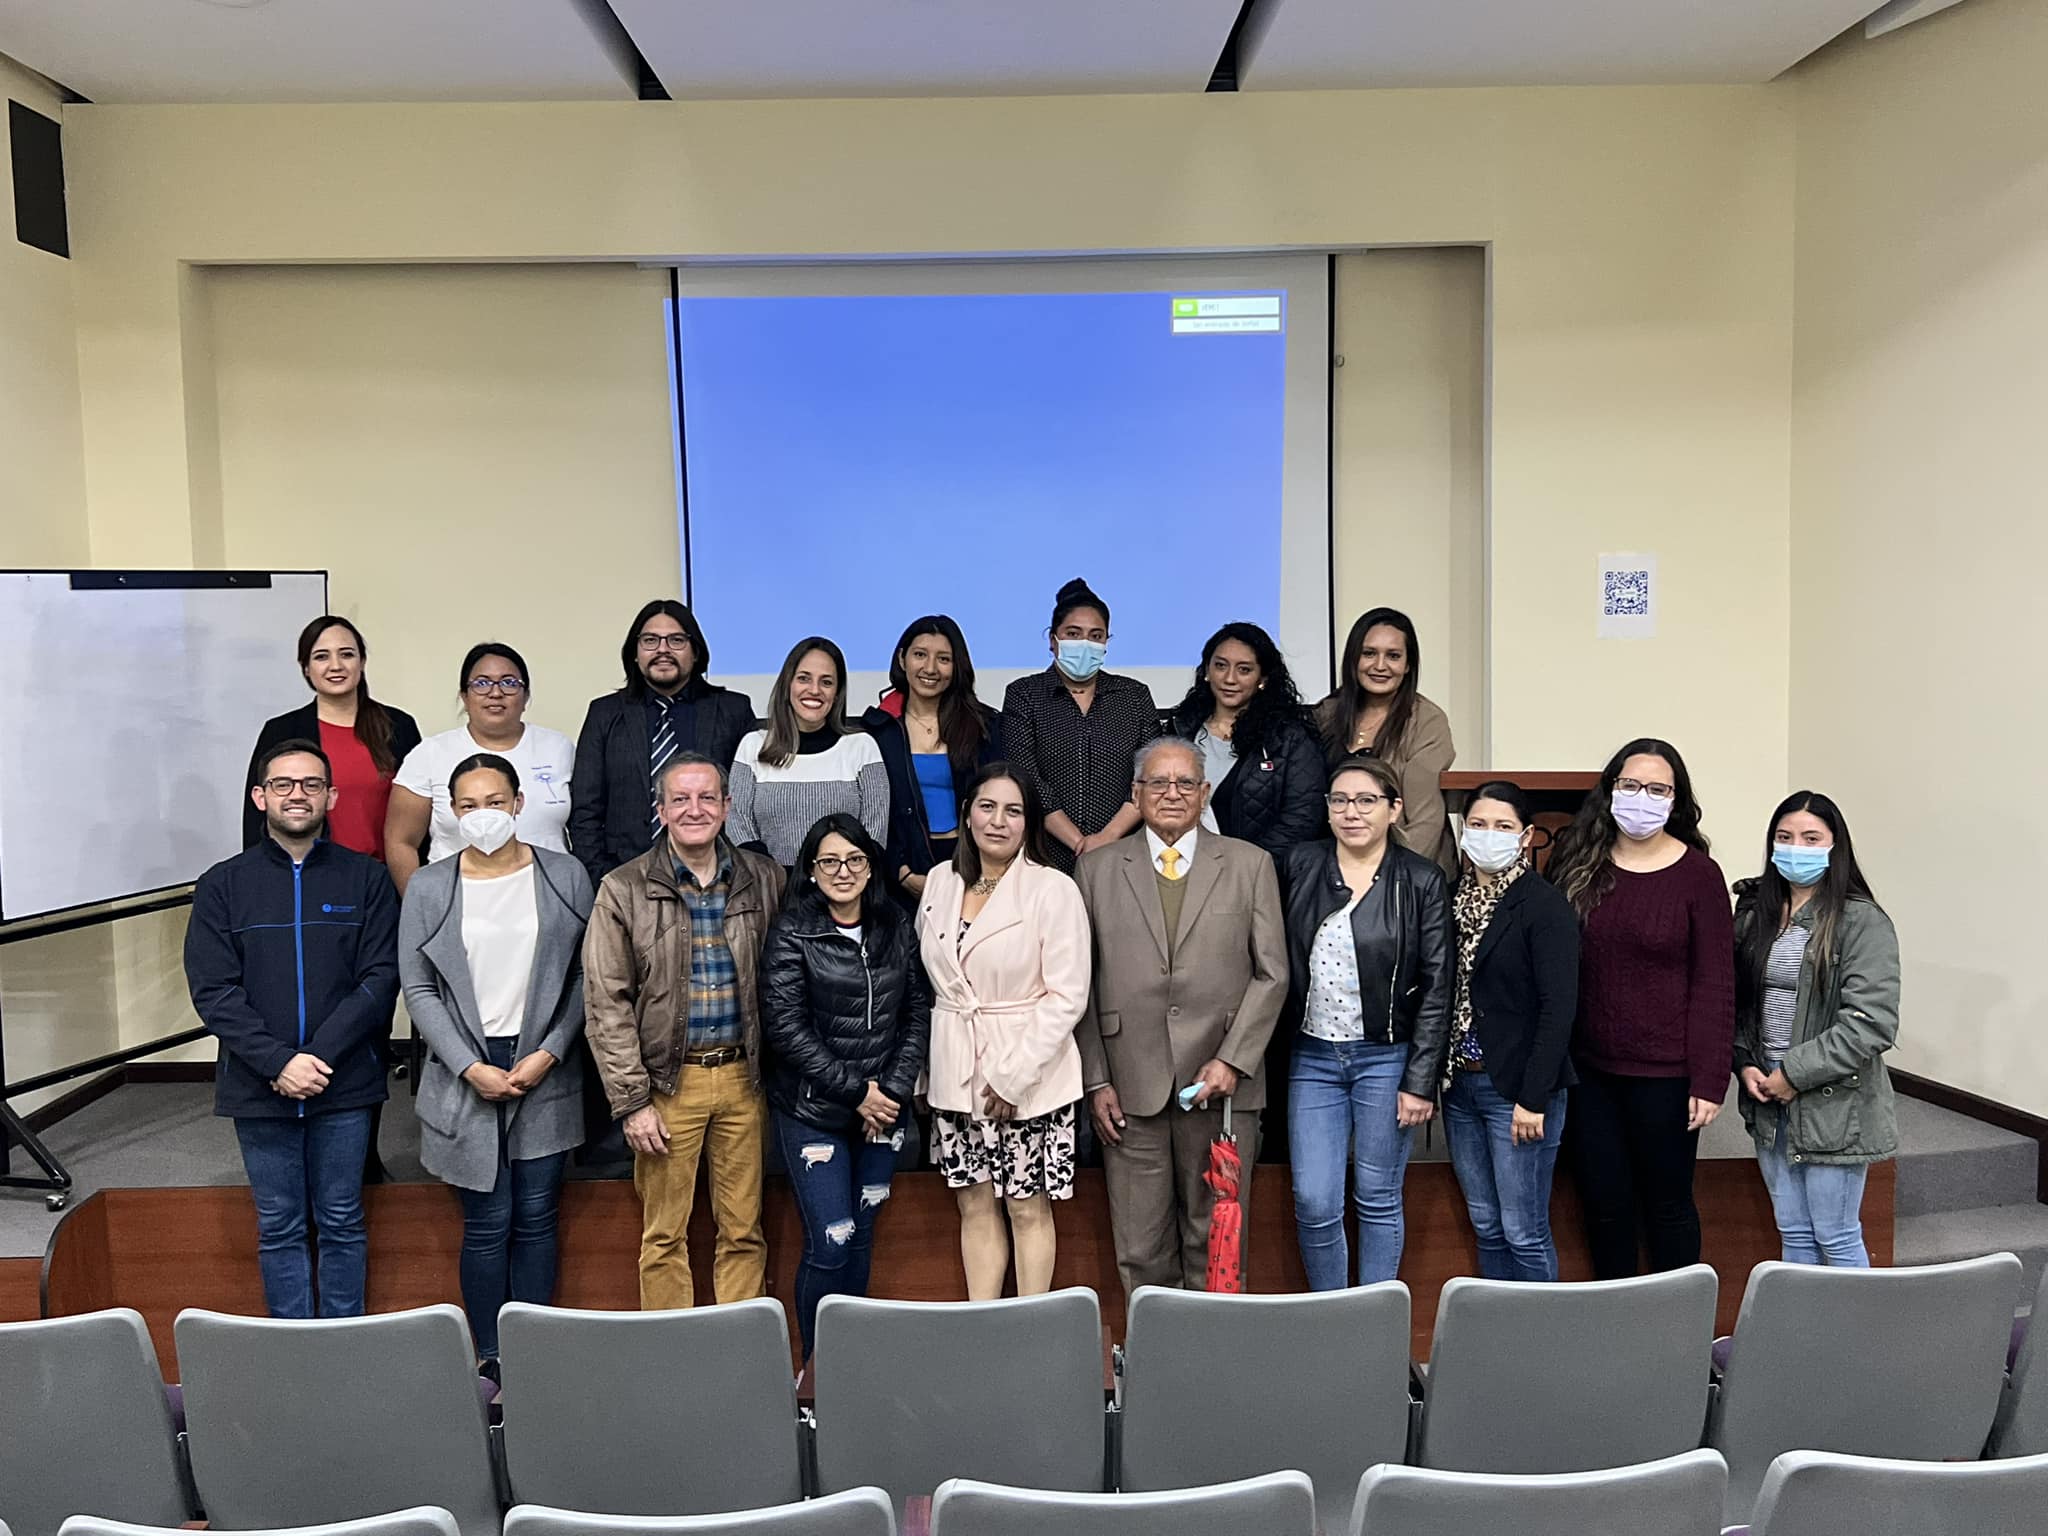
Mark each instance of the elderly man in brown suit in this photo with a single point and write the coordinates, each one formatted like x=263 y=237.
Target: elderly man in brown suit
x=1190 y=974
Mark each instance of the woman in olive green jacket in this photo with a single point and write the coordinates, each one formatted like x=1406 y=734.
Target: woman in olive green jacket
x=1817 y=1006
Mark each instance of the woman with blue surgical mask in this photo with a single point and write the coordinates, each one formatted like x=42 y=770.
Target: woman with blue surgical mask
x=1656 y=1014
x=1816 y=1008
x=1515 y=990
x=1076 y=730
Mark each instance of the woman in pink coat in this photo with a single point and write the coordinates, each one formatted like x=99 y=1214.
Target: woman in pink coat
x=1005 y=942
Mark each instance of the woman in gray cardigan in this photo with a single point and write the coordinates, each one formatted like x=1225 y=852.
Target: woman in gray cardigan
x=1817 y=1006
x=490 y=947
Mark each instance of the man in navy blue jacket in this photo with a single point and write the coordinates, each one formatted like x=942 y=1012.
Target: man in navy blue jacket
x=292 y=958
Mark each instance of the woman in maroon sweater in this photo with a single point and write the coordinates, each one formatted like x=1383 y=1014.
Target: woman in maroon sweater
x=1655 y=1038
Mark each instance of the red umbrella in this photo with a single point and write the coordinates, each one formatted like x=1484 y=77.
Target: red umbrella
x=1226 y=1216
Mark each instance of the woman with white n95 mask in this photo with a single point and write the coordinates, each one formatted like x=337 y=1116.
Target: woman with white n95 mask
x=490 y=953
x=1515 y=989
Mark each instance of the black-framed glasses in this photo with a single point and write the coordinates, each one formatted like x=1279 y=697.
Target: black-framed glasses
x=830 y=864
x=664 y=642
x=1181 y=786
x=1648 y=787
x=283 y=786
x=484 y=687
x=1343 y=803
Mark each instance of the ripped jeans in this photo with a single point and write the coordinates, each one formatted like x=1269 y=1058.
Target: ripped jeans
x=841 y=1181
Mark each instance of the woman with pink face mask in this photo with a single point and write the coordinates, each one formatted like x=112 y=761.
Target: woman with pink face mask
x=1654 y=1039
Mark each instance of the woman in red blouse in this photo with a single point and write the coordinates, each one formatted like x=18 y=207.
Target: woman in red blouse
x=364 y=739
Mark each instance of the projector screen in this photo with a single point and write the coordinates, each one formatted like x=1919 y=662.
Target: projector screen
x=862 y=445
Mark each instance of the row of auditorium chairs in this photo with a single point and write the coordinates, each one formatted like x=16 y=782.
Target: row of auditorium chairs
x=297 y=1423
x=1805 y=1493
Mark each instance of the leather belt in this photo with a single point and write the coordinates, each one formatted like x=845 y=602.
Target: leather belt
x=719 y=1056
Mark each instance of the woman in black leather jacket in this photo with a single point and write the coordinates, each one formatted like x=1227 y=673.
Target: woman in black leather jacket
x=845 y=1019
x=1263 y=759
x=1368 y=945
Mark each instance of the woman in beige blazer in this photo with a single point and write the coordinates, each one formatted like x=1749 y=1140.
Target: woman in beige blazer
x=1005 y=942
x=1377 y=711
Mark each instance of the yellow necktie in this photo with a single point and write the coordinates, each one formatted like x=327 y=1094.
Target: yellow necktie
x=1170 y=857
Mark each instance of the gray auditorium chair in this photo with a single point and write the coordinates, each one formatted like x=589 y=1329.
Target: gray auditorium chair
x=2021 y=1428
x=1278 y=1504
x=1678 y=1496
x=424 y=1521
x=911 y=1393
x=856 y=1512
x=302 y=1422
x=85 y=1381
x=597 y=1405
x=1230 y=1386
x=1820 y=1493
x=1567 y=1378
x=1870 y=1362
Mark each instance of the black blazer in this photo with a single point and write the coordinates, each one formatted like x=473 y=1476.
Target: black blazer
x=304 y=723
x=910 y=830
x=611 y=797
x=1525 y=991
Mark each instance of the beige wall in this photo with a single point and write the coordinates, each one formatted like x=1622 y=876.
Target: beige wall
x=1640 y=366
x=57 y=994
x=1408 y=463
x=1919 y=532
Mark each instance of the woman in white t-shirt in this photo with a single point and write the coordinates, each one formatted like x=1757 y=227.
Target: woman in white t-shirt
x=490 y=947
x=495 y=688
x=809 y=763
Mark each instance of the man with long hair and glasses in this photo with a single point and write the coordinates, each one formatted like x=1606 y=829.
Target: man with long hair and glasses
x=665 y=706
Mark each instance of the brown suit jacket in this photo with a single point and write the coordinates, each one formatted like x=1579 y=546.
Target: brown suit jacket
x=1149 y=1027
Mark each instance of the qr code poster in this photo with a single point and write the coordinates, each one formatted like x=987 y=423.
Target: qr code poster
x=1628 y=597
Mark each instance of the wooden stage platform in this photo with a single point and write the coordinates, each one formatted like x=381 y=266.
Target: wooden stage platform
x=160 y=1250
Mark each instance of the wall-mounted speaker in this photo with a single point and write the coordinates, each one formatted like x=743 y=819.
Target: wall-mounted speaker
x=35 y=145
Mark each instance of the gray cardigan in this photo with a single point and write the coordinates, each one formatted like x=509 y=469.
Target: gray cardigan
x=458 y=1127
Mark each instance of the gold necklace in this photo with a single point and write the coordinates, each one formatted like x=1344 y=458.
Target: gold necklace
x=985 y=886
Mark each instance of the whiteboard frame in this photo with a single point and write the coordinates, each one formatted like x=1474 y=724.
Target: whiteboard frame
x=157 y=579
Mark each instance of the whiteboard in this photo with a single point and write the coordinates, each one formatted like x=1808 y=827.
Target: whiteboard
x=129 y=704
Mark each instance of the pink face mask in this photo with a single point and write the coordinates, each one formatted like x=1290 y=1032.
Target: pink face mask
x=1641 y=814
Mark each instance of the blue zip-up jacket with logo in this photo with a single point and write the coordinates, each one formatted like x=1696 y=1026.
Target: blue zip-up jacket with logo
x=283 y=958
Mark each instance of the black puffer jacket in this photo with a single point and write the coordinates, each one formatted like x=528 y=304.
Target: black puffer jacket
x=836 y=1014
x=1273 y=797
x=1403 y=941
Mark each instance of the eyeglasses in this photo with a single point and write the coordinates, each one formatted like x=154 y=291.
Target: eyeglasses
x=283 y=786
x=1641 y=787
x=1177 y=786
x=1343 y=803
x=664 y=642
x=484 y=687
x=829 y=864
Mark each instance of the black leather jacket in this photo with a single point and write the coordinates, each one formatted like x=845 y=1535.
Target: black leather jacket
x=1403 y=943
x=836 y=1014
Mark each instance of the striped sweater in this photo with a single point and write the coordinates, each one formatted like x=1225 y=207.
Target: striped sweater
x=777 y=807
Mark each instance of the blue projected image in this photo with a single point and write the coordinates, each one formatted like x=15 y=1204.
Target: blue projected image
x=861 y=460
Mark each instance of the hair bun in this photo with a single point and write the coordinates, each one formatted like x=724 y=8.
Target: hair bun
x=1076 y=590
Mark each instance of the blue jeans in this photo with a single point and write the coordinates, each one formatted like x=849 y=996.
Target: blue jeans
x=308 y=1170
x=1819 y=1206
x=508 y=1235
x=1341 y=1118
x=1507 y=1188
x=841 y=1180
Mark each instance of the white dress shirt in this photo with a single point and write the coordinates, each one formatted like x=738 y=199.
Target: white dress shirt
x=1185 y=847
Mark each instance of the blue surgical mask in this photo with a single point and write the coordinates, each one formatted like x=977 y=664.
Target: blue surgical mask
x=1082 y=659
x=1802 y=866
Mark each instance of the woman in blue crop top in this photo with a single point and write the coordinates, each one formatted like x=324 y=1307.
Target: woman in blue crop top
x=933 y=733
